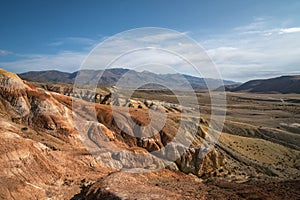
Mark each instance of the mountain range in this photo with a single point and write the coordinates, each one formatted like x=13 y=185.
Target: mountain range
x=129 y=78
x=149 y=80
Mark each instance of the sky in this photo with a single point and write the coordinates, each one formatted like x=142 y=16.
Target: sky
x=249 y=39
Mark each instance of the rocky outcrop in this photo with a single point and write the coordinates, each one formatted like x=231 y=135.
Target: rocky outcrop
x=166 y=184
x=34 y=107
x=127 y=144
x=41 y=133
x=112 y=97
x=39 y=166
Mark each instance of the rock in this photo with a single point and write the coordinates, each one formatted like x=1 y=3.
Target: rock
x=191 y=161
x=34 y=107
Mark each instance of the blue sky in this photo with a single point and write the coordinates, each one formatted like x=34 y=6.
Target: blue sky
x=246 y=39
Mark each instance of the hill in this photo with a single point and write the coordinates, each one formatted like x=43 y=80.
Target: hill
x=283 y=84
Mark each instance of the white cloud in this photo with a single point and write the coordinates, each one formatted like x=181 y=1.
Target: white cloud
x=290 y=30
x=256 y=25
x=252 y=51
x=56 y=43
x=133 y=49
x=75 y=40
x=4 y=52
x=256 y=50
x=64 y=61
x=167 y=48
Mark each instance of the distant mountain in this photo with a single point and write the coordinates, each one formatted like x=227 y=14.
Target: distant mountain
x=127 y=78
x=283 y=84
x=48 y=76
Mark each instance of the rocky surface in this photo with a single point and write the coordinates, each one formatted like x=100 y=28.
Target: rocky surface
x=41 y=156
x=41 y=131
x=53 y=146
x=174 y=185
